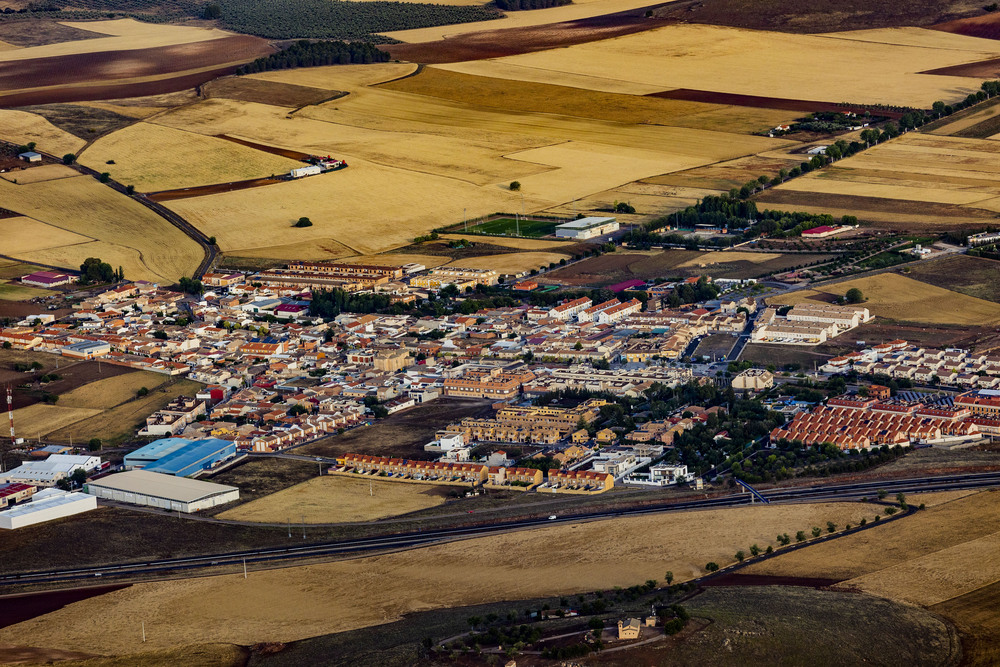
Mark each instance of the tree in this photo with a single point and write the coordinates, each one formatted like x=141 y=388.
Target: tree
x=104 y=177
x=754 y=550
x=211 y=240
x=211 y=12
x=93 y=270
x=130 y=190
x=901 y=499
x=854 y=295
x=595 y=624
x=816 y=531
x=303 y=222
x=95 y=444
x=831 y=527
x=297 y=410
x=712 y=566
x=69 y=158
x=740 y=555
x=882 y=493
x=669 y=577
x=800 y=536
x=515 y=185
x=78 y=477
x=142 y=392
x=160 y=334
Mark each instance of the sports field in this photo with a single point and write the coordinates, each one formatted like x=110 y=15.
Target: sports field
x=294 y=603
x=76 y=218
x=904 y=299
x=339 y=499
x=516 y=227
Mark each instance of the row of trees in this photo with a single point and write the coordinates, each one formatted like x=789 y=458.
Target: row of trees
x=304 y=53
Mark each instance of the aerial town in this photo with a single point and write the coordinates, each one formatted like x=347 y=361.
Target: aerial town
x=536 y=332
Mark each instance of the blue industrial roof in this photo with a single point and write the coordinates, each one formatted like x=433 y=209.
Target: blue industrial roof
x=156 y=450
x=197 y=456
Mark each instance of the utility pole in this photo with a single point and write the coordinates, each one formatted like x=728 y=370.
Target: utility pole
x=244 y=568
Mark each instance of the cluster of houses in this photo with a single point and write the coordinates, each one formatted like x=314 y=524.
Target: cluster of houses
x=807 y=323
x=898 y=359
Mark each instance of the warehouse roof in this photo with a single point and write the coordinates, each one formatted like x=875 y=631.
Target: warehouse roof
x=585 y=223
x=180 y=489
x=44 y=500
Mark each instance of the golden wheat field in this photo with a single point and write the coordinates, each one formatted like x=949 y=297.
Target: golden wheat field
x=294 y=603
x=101 y=223
x=23 y=127
x=46 y=172
x=782 y=65
x=154 y=157
x=109 y=392
x=339 y=77
x=40 y=420
x=23 y=236
x=516 y=262
x=900 y=298
x=338 y=499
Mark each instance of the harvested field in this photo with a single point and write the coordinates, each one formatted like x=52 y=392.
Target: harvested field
x=824 y=16
x=263 y=477
x=121 y=422
x=823 y=182
x=513 y=242
x=87 y=122
x=397 y=259
x=978 y=618
x=903 y=299
x=121 y=231
x=403 y=434
x=9 y=269
x=756 y=101
x=102 y=74
x=338 y=77
x=154 y=157
x=23 y=236
x=109 y=392
x=118 y=35
x=38 y=32
x=23 y=127
x=40 y=420
x=724 y=175
x=979 y=122
x=265 y=92
x=336 y=499
x=45 y=172
x=782 y=67
x=320 y=249
x=73 y=374
x=972 y=276
x=513 y=263
x=287 y=604
x=541 y=98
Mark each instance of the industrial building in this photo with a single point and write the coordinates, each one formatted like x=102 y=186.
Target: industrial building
x=46 y=505
x=152 y=489
x=51 y=470
x=586 y=228
x=180 y=457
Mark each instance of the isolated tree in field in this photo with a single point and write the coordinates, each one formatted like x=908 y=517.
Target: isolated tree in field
x=211 y=12
x=104 y=177
x=854 y=295
x=669 y=577
x=130 y=190
x=515 y=185
x=901 y=499
x=816 y=531
x=303 y=222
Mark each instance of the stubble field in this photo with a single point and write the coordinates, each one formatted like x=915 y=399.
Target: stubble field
x=338 y=499
x=102 y=223
x=904 y=299
x=22 y=127
x=281 y=605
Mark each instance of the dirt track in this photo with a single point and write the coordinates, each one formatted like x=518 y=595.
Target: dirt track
x=514 y=41
x=92 y=76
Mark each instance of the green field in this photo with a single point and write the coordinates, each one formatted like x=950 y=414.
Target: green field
x=532 y=229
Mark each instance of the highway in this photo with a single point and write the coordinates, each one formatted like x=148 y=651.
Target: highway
x=198 y=565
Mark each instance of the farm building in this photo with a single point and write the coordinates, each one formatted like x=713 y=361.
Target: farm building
x=152 y=489
x=180 y=457
x=586 y=228
x=47 y=505
x=48 y=279
x=31 y=156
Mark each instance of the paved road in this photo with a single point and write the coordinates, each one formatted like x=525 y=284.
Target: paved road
x=195 y=565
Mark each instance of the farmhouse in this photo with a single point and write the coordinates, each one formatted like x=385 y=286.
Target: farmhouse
x=48 y=279
x=151 y=489
x=586 y=228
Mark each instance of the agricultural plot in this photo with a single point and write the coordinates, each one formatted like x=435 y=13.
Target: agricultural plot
x=513 y=263
x=972 y=276
x=21 y=127
x=46 y=172
x=783 y=65
x=900 y=298
x=110 y=392
x=92 y=220
x=334 y=499
x=19 y=292
x=154 y=157
x=294 y=603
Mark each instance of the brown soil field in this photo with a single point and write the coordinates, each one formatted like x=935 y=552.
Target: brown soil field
x=338 y=499
x=511 y=41
x=402 y=434
x=903 y=299
x=510 y=94
x=986 y=26
x=803 y=106
x=89 y=76
x=88 y=123
x=977 y=615
x=288 y=604
x=40 y=32
x=73 y=375
x=930 y=335
x=109 y=392
x=273 y=150
x=204 y=190
x=984 y=69
x=265 y=92
x=784 y=355
x=972 y=276
x=822 y=16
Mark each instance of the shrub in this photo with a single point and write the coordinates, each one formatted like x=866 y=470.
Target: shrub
x=515 y=185
x=303 y=222
x=712 y=567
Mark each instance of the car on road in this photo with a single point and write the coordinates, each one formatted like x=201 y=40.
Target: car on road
x=552 y=517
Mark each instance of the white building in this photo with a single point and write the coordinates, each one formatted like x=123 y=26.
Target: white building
x=311 y=170
x=666 y=473
x=176 y=494
x=46 y=505
x=586 y=228
x=51 y=470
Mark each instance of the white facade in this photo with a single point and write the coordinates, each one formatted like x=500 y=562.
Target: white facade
x=586 y=228
x=177 y=494
x=311 y=170
x=47 y=505
x=51 y=470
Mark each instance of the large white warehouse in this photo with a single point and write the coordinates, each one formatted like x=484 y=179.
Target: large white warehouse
x=46 y=505
x=177 y=494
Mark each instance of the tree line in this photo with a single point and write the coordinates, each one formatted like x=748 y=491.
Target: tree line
x=304 y=53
